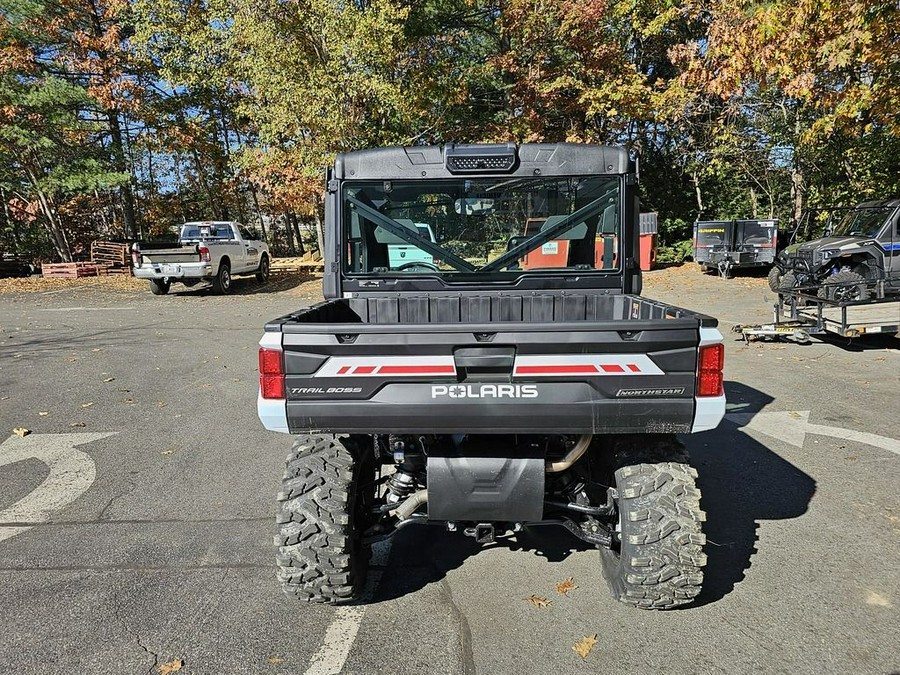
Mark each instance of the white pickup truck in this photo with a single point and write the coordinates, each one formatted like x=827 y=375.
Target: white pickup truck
x=210 y=251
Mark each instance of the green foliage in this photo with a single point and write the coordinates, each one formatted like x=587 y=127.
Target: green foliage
x=677 y=253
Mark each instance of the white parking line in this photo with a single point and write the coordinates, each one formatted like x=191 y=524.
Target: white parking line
x=341 y=632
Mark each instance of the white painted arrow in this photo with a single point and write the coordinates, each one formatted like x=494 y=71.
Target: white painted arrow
x=71 y=473
x=793 y=425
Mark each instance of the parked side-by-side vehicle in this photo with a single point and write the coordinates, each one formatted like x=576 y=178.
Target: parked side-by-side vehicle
x=481 y=389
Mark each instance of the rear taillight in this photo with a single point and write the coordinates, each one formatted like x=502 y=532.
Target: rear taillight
x=271 y=373
x=709 y=370
x=136 y=258
x=204 y=257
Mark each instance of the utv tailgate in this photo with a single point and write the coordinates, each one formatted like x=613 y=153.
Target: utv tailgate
x=636 y=376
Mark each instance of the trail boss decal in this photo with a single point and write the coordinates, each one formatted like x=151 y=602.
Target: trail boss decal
x=299 y=391
x=484 y=391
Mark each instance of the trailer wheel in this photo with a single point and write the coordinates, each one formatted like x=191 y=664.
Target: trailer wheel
x=222 y=282
x=159 y=286
x=657 y=562
x=262 y=274
x=322 y=509
x=844 y=286
x=775 y=279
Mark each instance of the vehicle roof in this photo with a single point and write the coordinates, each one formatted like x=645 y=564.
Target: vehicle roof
x=426 y=162
x=879 y=202
x=211 y=222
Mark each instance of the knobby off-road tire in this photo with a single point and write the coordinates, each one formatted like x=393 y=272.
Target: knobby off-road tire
x=658 y=563
x=844 y=286
x=159 y=287
x=222 y=282
x=774 y=280
x=321 y=514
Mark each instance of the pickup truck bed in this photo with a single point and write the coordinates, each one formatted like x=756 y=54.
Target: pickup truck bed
x=549 y=362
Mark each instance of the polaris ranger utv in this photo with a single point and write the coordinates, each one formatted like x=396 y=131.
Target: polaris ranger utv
x=859 y=258
x=513 y=378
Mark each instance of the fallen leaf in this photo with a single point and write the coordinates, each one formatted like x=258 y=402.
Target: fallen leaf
x=170 y=667
x=43 y=413
x=584 y=647
x=109 y=379
x=161 y=404
x=77 y=424
x=87 y=405
x=21 y=432
x=97 y=350
x=274 y=660
x=538 y=601
x=563 y=587
x=71 y=359
x=167 y=452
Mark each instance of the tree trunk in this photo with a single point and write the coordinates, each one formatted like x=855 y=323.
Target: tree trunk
x=294 y=223
x=696 y=180
x=259 y=215
x=290 y=235
x=798 y=194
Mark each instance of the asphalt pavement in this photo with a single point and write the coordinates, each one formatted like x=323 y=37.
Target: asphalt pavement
x=137 y=516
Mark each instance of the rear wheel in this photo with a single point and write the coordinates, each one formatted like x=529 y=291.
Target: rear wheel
x=262 y=274
x=222 y=282
x=657 y=561
x=322 y=511
x=159 y=286
x=774 y=279
x=844 y=286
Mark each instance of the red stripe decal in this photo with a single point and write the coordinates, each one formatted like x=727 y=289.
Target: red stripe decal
x=364 y=370
x=556 y=370
x=612 y=368
x=633 y=368
x=343 y=370
x=417 y=370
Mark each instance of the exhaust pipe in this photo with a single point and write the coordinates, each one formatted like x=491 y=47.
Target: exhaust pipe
x=572 y=456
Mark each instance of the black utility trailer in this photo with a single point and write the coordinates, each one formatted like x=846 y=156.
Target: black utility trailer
x=723 y=245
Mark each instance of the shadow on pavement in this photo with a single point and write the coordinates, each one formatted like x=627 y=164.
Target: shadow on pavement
x=421 y=555
x=742 y=481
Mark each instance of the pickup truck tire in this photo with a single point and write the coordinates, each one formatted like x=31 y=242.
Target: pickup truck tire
x=321 y=514
x=844 y=286
x=658 y=563
x=262 y=274
x=159 y=286
x=222 y=282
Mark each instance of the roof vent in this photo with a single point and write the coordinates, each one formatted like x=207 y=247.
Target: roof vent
x=482 y=158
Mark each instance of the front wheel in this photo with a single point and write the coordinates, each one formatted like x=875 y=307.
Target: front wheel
x=222 y=282
x=159 y=286
x=774 y=279
x=844 y=286
x=322 y=512
x=657 y=562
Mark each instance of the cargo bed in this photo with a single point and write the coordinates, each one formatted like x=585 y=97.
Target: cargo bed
x=537 y=363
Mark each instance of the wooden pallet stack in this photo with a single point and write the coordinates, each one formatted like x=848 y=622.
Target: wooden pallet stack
x=70 y=270
x=112 y=256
